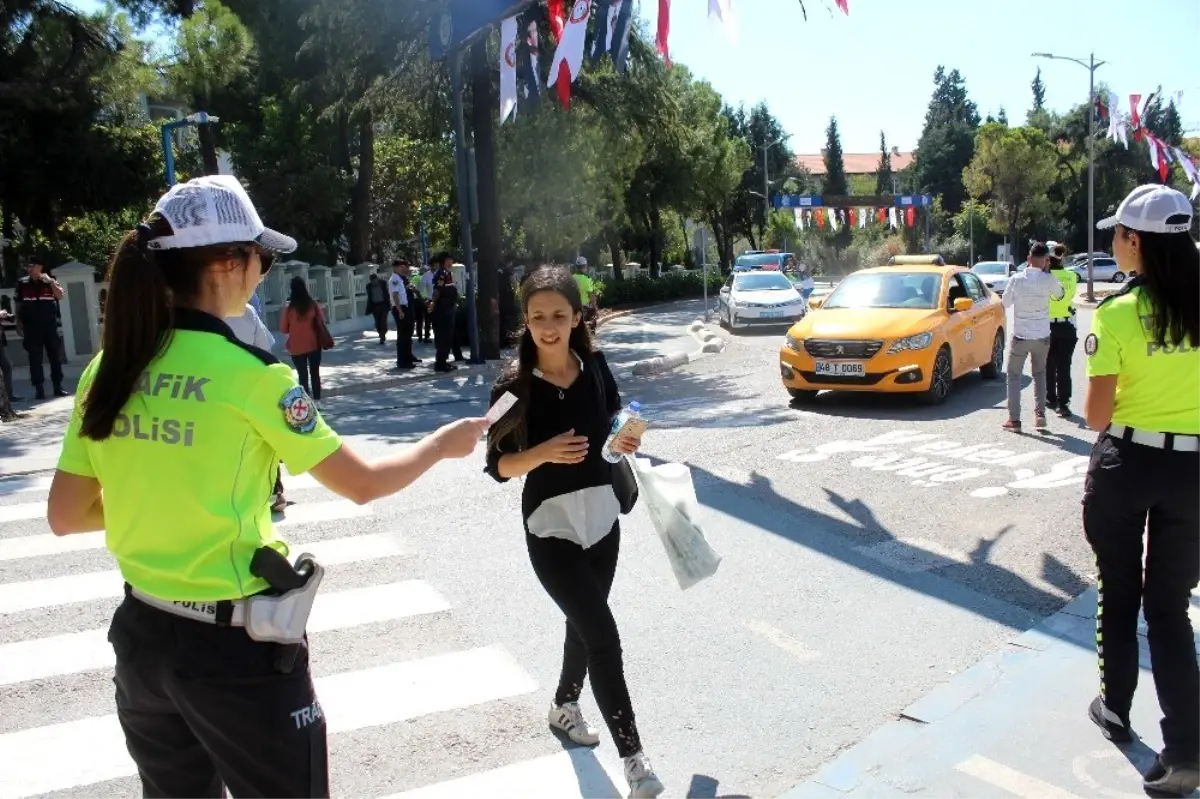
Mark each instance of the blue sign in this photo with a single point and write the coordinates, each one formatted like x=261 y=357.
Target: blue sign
x=909 y=200
x=463 y=20
x=798 y=201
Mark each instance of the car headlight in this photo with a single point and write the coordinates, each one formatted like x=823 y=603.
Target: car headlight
x=794 y=344
x=917 y=342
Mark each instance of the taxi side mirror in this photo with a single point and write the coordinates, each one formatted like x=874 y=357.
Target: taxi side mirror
x=962 y=304
x=815 y=303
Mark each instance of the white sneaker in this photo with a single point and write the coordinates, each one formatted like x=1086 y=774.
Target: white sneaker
x=643 y=782
x=569 y=719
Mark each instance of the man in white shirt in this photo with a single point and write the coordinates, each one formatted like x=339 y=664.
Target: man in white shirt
x=398 y=291
x=425 y=285
x=1029 y=294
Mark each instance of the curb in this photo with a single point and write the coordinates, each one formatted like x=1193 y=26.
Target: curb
x=710 y=344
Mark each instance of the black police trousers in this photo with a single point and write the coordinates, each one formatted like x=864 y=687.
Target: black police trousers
x=443 y=335
x=1063 y=338
x=39 y=339
x=205 y=708
x=404 y=337
x=1133 y=489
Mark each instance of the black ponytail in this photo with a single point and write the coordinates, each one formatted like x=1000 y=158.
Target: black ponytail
x=144 y=286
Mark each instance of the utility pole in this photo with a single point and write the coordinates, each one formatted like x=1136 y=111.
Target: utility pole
x=1091 y=65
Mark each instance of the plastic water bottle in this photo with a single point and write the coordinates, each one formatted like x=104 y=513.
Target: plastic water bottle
x=633 y=411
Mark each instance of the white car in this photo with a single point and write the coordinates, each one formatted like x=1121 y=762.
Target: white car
x=994 y=274
x=759 y=299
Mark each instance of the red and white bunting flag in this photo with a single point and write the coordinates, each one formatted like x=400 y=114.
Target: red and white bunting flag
x=720 y=14
x=664 y=30
x=1158 y=156
x=844 y=5
x=1186 y=164
x=892 y=217
x=910 y=216
x=1134 y=117
x=508 y=68
x=554 y=10
x=568 y=56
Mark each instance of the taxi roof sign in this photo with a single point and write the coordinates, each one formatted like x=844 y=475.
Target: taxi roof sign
x=916 y=260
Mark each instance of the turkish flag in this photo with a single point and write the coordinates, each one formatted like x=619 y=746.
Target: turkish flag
x=568 y=57
x=555 y=10
x=910 y=216
x=664 y=29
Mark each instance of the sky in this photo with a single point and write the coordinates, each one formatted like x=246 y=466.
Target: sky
x=873 y=69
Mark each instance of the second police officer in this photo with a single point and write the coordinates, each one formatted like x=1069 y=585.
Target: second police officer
x=1144 y=396
x=174 y=442
x=1063 y=336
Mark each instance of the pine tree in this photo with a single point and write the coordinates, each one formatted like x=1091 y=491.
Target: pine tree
x=1002 y=117
x=883 y=175
x=1172 y=125
x=1039 y=92
x=835 y=165
x=947 y=142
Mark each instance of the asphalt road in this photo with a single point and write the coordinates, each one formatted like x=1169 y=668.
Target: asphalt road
x=865 y=563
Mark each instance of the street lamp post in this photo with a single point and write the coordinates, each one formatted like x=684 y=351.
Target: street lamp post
x=1091 y=65
x=198 y=118
x=767 y=183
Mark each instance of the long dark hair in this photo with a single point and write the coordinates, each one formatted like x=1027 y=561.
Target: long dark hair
x=145 y=287
x=1170 y=281
x=298 y=296
x=517 y=376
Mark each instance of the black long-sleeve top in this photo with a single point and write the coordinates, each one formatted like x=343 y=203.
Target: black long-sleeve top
x=571 y=501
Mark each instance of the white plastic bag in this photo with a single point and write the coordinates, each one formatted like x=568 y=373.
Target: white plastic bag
x=669 y=496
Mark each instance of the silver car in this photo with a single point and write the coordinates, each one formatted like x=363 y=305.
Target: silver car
x=994 y=274
x=1102 y=269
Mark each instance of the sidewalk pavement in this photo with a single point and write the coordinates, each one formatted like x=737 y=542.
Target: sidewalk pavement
x=1015 y=724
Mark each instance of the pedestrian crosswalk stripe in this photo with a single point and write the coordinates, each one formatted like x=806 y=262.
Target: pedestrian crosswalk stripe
x=1007 y=779
x=74 y=653
x=77 y=753
x=35 y=546
x=22 y=512
x=41 y=482
x=573 y=773
x=17 y=485
x=54 y=591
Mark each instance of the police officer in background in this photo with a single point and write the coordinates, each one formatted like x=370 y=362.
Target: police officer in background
x=37 y=297
x=1062 y=335
x=1144 y=395
x=443 y=306
x=213 y=686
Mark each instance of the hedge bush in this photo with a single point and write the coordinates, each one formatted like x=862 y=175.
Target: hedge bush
x=670 y=286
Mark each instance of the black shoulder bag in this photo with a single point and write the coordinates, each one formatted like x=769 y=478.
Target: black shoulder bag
x=624 y=482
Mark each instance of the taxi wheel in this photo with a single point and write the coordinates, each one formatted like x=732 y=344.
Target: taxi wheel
x=802 y=394
x=943 y=378
x=991 y=369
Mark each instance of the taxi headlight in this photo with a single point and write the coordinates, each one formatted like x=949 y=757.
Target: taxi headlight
x=917 y=342
x=794 y=344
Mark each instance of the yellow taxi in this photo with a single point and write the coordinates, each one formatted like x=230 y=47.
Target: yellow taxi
x=912 y=326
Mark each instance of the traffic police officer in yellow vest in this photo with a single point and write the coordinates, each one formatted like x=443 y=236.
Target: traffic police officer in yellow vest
x=1144 y=396
x=172 y=448
x=1062 y=335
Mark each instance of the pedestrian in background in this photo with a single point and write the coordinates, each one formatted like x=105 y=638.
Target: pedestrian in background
x=378 y=306
x=1063 y=336
x=566 y=401
x=1029 y=294
x=401 y=298
x=1144 y=396
x=7 y=322
x=425 y=289
x=299 y=323
x=176 y=431
x=443 y=305
x=37 y=295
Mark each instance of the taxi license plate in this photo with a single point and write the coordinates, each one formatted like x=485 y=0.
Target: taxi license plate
x=841 y=368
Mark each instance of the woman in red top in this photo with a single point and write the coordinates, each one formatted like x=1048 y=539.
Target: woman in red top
x=299 y=324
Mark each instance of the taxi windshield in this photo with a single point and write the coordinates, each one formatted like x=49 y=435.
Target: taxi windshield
x=762 y=281
x=886 y=290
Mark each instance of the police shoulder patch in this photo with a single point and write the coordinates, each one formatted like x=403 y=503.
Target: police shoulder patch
x=1091 y=344
x=299 y=411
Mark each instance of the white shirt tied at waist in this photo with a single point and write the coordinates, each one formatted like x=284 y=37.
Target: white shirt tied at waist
x=1029 y=294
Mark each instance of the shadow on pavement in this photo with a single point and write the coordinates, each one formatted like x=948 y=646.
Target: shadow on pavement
x=703 y=786
x=973 y=586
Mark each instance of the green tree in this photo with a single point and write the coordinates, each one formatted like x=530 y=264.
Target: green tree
x=835 y=166
x=1039 y=92
x=1012 y=171
x=947 y=141
x=1002 y=117
x=883 y=173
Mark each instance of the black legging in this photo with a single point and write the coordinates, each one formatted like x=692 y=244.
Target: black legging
x=578 y=580
x=1058 y=363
